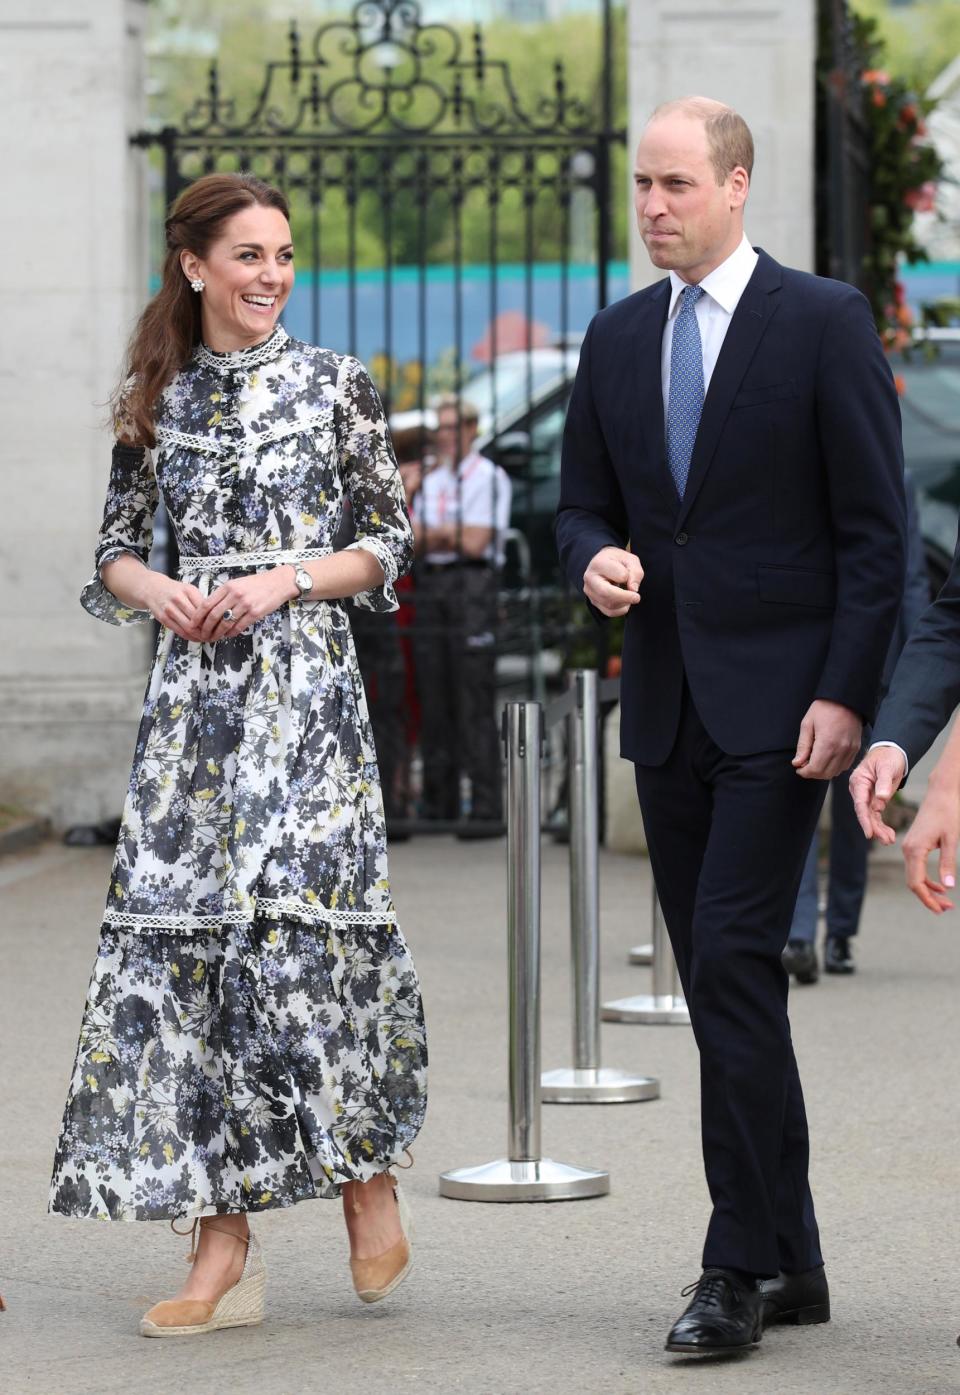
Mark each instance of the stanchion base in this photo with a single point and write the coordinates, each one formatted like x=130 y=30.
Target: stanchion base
x=654 y=1011
x=598 y=1086
x=504 y=1180
x=641 y=954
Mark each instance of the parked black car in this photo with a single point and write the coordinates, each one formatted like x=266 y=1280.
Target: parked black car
x=527 y=433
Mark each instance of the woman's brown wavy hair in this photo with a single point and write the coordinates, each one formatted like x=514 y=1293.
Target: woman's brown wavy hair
x=169 y=327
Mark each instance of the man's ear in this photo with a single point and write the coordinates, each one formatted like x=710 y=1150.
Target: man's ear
x=739 y=187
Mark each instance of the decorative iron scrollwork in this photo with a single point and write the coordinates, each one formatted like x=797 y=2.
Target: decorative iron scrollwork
x=384 y=72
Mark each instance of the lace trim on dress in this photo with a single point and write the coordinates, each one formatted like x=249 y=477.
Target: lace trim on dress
x=294 y=428
x=266 y=557
x=205 y=444
x=243 y=358
x=208 y=445
x=276 y=908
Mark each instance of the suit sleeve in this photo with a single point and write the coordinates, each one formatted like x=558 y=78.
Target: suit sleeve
x=926 y=682
x=858 y=417
x=591 y=513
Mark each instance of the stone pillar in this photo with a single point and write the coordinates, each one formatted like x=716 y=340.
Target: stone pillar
x=73 y=275
x=759 y=59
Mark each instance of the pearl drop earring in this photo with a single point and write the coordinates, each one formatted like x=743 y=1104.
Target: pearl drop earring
x=197 y=284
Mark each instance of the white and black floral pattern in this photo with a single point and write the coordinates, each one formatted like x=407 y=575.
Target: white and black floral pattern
x=253 y=1033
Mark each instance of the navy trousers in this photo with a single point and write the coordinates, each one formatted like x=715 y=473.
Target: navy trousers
x=847 y=881
x=727 y=837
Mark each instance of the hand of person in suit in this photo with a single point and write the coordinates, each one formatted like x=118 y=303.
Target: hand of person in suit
x=830 y=736
x=612 y=581
x=872 y=786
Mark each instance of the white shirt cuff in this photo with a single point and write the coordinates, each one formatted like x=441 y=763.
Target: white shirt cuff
x=893 y=744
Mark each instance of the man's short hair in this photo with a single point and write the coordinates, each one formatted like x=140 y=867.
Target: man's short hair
x=464 y=408
x=728 y=135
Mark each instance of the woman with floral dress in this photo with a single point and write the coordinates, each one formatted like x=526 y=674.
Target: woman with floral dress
x=253 y=1032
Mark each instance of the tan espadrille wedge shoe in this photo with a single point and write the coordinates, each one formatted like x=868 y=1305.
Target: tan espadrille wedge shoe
x=376 y=1278
x=240 y=1306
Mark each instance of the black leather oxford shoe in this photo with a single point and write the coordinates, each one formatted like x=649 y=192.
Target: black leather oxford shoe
x=838 y=956
x=800 y=959
x=796 y=1298
x=724 y=1315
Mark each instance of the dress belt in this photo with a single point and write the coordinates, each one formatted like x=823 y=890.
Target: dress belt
x=267 y=557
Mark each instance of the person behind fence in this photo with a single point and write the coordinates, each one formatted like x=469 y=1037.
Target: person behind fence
x=847 y=848
x=253 y=1033
x=737 y=424
x=460 y=515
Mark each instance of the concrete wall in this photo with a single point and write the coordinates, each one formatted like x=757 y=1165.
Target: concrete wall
x=759 y=59
x=72 y=273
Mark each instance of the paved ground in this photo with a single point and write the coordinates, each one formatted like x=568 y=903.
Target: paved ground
x=571 y=1298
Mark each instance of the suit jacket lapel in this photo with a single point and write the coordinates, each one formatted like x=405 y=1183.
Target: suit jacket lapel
x=641 y=386
x=757 y=306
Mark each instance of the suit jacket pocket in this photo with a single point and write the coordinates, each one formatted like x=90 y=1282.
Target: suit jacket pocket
x=773 y=392
x=797 y=586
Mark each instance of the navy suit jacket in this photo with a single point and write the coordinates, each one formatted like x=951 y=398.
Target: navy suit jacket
x=778 y=578
x=925 y=688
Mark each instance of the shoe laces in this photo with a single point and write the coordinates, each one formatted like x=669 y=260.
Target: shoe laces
x=711 y=1288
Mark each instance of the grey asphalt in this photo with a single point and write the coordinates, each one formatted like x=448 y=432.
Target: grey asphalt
x=571 y=1298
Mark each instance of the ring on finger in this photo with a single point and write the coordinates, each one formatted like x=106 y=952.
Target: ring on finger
x=227 y=616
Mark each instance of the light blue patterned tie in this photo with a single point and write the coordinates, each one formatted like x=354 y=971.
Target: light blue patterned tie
x=686 y=387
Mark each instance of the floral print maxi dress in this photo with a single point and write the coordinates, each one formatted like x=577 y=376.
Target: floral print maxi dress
x=253 y=1032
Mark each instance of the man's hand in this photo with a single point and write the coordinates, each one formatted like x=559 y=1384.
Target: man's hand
x=612 y=581
x=830 y=736
x=937 y=826
x=872 y=786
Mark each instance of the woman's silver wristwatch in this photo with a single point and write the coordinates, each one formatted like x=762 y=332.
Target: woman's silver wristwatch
x=303 y=579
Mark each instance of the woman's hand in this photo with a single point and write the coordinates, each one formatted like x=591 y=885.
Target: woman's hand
x=936 y=827
x=248 y=598
x=174 y=604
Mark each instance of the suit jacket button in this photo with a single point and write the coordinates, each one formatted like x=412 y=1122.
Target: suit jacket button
x=681 y=539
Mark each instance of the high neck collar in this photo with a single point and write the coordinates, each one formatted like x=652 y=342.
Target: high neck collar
x=265 y=352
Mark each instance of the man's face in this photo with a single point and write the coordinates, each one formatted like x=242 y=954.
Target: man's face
x=454 y=437
x=688 y=222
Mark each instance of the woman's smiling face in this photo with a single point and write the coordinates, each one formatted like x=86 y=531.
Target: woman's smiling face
x=247 y=275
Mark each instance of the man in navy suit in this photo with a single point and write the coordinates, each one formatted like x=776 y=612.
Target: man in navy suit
x=732 y=483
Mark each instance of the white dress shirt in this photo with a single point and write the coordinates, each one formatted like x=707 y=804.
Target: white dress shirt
x=480 y=498
x=724 y=286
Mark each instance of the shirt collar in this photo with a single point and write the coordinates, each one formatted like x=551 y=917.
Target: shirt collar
x=725 y=284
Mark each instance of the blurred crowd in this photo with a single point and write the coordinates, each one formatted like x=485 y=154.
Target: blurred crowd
x=430 y=669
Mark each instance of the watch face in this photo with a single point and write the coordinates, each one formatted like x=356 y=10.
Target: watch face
x=304 y=579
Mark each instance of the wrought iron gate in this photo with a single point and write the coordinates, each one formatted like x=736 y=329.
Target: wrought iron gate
x=843 y=162
x=441 y=225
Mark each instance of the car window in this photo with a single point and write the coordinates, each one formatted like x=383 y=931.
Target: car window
x=931 y=389
x=519 y=379
x=546 y=438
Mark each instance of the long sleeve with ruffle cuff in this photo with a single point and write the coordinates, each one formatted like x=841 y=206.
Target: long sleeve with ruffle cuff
x=127 y=526
x=372 y=483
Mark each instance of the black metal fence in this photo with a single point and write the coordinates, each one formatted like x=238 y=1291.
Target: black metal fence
x=456 y=239
x=842 y=146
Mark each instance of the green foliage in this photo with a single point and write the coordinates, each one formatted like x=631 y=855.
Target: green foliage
x=919 y=41
x=904 y=168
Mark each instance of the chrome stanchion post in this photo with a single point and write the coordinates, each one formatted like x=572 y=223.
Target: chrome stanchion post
x=588 y=1082
x=524 y=1175
x=666 y=1004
